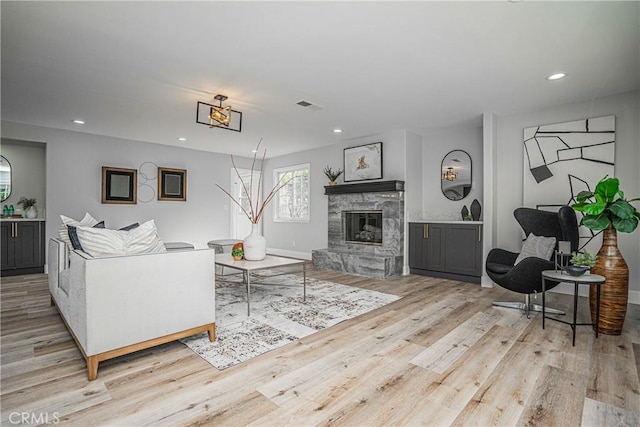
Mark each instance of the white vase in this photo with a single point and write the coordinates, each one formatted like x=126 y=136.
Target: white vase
x=255 y=245
x=31 y=212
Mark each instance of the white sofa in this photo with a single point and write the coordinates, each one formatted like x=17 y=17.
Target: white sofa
x=117 y=305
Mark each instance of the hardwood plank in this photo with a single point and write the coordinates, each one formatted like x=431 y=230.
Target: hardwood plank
x=501 y=398
x=451 y=347
x=556 y=400
x=597 y=413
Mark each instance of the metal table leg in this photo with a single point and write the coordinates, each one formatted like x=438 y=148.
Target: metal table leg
x=575 y=311
x=248 y=294
x=598 y=309
x=544 y=283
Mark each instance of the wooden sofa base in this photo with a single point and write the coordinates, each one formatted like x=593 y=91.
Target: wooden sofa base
x=94 y=360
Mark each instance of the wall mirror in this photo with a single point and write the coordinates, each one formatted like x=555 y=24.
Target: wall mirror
x=5 y=179
x=455 y=175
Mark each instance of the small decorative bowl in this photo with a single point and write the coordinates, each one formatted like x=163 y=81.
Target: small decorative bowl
x=575 y=270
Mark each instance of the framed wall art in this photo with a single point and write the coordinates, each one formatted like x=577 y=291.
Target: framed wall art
x=562 y=159
x=172 y=184
x=119 y=185
x=363 y=162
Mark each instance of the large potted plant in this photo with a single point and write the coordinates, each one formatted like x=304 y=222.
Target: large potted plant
x=606 y=209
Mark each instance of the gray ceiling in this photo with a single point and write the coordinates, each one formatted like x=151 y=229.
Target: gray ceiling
x=135 y=70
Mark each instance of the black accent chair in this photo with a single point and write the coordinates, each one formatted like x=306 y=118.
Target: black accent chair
x=526 y=277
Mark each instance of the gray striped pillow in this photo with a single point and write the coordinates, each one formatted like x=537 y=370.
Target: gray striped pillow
x=537 y=246
x=104 y=242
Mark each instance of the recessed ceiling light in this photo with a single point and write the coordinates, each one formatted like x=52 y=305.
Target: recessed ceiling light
x=182 y=139
x=78 y=122
x=337 y=131
x=556 y=76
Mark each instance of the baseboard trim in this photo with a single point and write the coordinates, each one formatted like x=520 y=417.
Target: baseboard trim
x=583 y=291
x=291 y=254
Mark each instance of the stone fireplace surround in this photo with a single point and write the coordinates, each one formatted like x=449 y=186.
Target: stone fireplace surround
x=378 y=261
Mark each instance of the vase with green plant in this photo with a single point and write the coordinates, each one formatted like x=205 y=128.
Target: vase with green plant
x=333 y=175
x=606 y=209
x=28 y=206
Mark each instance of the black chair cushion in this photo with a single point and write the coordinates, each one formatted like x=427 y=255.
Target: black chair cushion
x=498 y=268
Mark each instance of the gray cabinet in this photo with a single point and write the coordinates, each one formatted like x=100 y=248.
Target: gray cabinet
x=22 y=247
x=448 y=250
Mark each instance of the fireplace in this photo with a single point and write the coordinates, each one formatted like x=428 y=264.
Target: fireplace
x=365 y=229
x=362 y=227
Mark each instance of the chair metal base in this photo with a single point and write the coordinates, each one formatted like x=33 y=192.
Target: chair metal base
x=528 y=307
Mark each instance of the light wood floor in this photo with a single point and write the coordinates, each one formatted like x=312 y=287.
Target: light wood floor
x=442 y=355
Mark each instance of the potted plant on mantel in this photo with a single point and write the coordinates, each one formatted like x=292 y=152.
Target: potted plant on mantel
x=332 y=175
x=607 y=209
x=254 y=245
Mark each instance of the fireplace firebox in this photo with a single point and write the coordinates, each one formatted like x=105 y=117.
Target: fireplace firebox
x=364 y=227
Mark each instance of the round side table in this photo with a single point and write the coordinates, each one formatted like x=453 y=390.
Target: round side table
x=586 y=279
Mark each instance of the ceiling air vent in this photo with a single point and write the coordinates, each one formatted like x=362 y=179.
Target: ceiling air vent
x=308 y=105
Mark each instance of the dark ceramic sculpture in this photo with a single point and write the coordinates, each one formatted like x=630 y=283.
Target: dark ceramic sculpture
x=475 y=210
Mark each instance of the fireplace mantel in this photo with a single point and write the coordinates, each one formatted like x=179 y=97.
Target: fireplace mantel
x=365 y=187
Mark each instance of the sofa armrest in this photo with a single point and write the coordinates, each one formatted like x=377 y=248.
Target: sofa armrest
x=123 y=300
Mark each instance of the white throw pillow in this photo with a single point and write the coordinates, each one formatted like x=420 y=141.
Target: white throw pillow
x=63 y=231
x=99 y=242
x=537 y=246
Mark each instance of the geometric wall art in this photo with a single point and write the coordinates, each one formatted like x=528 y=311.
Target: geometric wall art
x=562 y=159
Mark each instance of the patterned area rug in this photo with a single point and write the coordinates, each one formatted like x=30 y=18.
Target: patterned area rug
x=278 y=315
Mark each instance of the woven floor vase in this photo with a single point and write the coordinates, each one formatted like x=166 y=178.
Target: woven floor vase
x=614 y=294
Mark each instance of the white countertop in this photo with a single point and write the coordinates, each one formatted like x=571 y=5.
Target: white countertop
x=21 y=219
x=440 y=221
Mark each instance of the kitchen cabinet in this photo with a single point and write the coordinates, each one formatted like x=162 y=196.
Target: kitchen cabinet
x=448 y=250
x=22 y=247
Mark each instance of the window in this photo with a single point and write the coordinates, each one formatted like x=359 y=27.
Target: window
x=291 y=203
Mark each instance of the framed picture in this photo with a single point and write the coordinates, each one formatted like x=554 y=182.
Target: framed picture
x=172 y=184
x=363 y=162
x=119 y=186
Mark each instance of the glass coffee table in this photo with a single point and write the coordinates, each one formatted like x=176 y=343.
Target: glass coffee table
x=270 y=262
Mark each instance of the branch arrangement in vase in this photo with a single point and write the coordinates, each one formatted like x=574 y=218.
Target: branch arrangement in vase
x=256 y=206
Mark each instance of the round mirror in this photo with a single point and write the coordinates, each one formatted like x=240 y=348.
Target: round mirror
x=455 y=179
x=5 y=179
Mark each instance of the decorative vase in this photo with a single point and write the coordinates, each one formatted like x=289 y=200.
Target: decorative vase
x=614 y=293
x=333 y=183
x=31 y=212
x=255 y=245
x=476 y=209
x=464 y=212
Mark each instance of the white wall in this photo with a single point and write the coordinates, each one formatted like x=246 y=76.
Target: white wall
x=28 y=169
x=313 y=235
x=509 y=167
x=73 y=177
x=435 y=146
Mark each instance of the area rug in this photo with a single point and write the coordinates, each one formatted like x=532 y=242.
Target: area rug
x=278 y=315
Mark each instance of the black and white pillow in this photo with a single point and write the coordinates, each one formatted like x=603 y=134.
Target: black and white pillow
x=63 y=231
x=73 y=234
x=105 y=242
